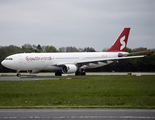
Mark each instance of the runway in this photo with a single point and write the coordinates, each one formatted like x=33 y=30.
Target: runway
x=76 y=114
x=12 y=76
x=87 y=73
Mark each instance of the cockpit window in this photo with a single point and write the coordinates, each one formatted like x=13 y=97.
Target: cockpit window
x=8 y=59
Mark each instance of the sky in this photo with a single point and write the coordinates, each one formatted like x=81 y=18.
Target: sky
x=78 y=23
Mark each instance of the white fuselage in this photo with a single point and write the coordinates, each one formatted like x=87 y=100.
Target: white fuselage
x=54 y=61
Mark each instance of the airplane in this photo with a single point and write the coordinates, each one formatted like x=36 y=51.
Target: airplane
x=66 y=63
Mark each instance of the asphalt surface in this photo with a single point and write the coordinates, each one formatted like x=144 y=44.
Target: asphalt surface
x=76 y=114
x=24 y=79
x=87 y=73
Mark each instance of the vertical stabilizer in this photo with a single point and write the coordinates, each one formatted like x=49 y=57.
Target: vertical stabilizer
x=121 y=42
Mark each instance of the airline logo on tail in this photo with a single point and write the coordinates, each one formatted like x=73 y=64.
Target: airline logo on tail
x=121 y=42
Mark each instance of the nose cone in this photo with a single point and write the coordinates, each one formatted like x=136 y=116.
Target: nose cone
x=3 y=63
x=6 y=63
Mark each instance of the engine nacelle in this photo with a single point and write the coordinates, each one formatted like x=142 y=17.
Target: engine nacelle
x=120 y=55
x=69 y=68
x=33 y=71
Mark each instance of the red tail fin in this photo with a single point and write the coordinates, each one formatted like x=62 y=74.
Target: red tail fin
x=121 y=42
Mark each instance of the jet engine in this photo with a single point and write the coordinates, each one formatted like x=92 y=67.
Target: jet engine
x=33 y=71
x=69 y=68
x=120 y=55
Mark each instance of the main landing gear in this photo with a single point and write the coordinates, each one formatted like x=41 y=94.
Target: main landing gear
x=77 y=73
x=80 y=73
x=58 y=73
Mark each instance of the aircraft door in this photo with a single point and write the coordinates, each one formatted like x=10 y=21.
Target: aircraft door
x=20 y=59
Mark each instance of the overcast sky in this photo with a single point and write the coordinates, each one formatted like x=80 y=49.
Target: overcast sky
x=79 y=23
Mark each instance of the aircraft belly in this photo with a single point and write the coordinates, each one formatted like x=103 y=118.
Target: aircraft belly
x=53 y=68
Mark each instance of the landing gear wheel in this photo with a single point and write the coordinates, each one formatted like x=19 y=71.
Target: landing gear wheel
x=83 y=73
x=58 y=73
x=18 y=75
x=80 y=73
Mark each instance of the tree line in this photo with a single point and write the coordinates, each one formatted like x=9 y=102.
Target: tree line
x=146 y=64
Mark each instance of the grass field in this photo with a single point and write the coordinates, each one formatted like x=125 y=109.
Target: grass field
x=81 y=91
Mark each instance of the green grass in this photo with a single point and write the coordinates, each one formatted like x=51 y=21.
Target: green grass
x=81 y=91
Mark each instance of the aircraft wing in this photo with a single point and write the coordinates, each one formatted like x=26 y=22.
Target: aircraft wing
x=96 y=60
x=108 y=59
x=101 y=59
x=112 y=59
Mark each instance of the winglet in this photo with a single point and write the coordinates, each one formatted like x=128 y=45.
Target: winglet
x=150 y=53
x=121 y=42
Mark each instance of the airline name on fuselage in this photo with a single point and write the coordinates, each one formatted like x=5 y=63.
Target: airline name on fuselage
x=37 y=58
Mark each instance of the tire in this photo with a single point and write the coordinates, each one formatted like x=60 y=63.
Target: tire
x=58 y=73
x=18 y=75
x=79 y=73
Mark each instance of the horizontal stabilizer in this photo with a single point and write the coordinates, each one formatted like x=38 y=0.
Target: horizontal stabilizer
x=150 y=53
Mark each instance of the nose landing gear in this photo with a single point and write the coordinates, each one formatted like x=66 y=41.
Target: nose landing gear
x=18 y=73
